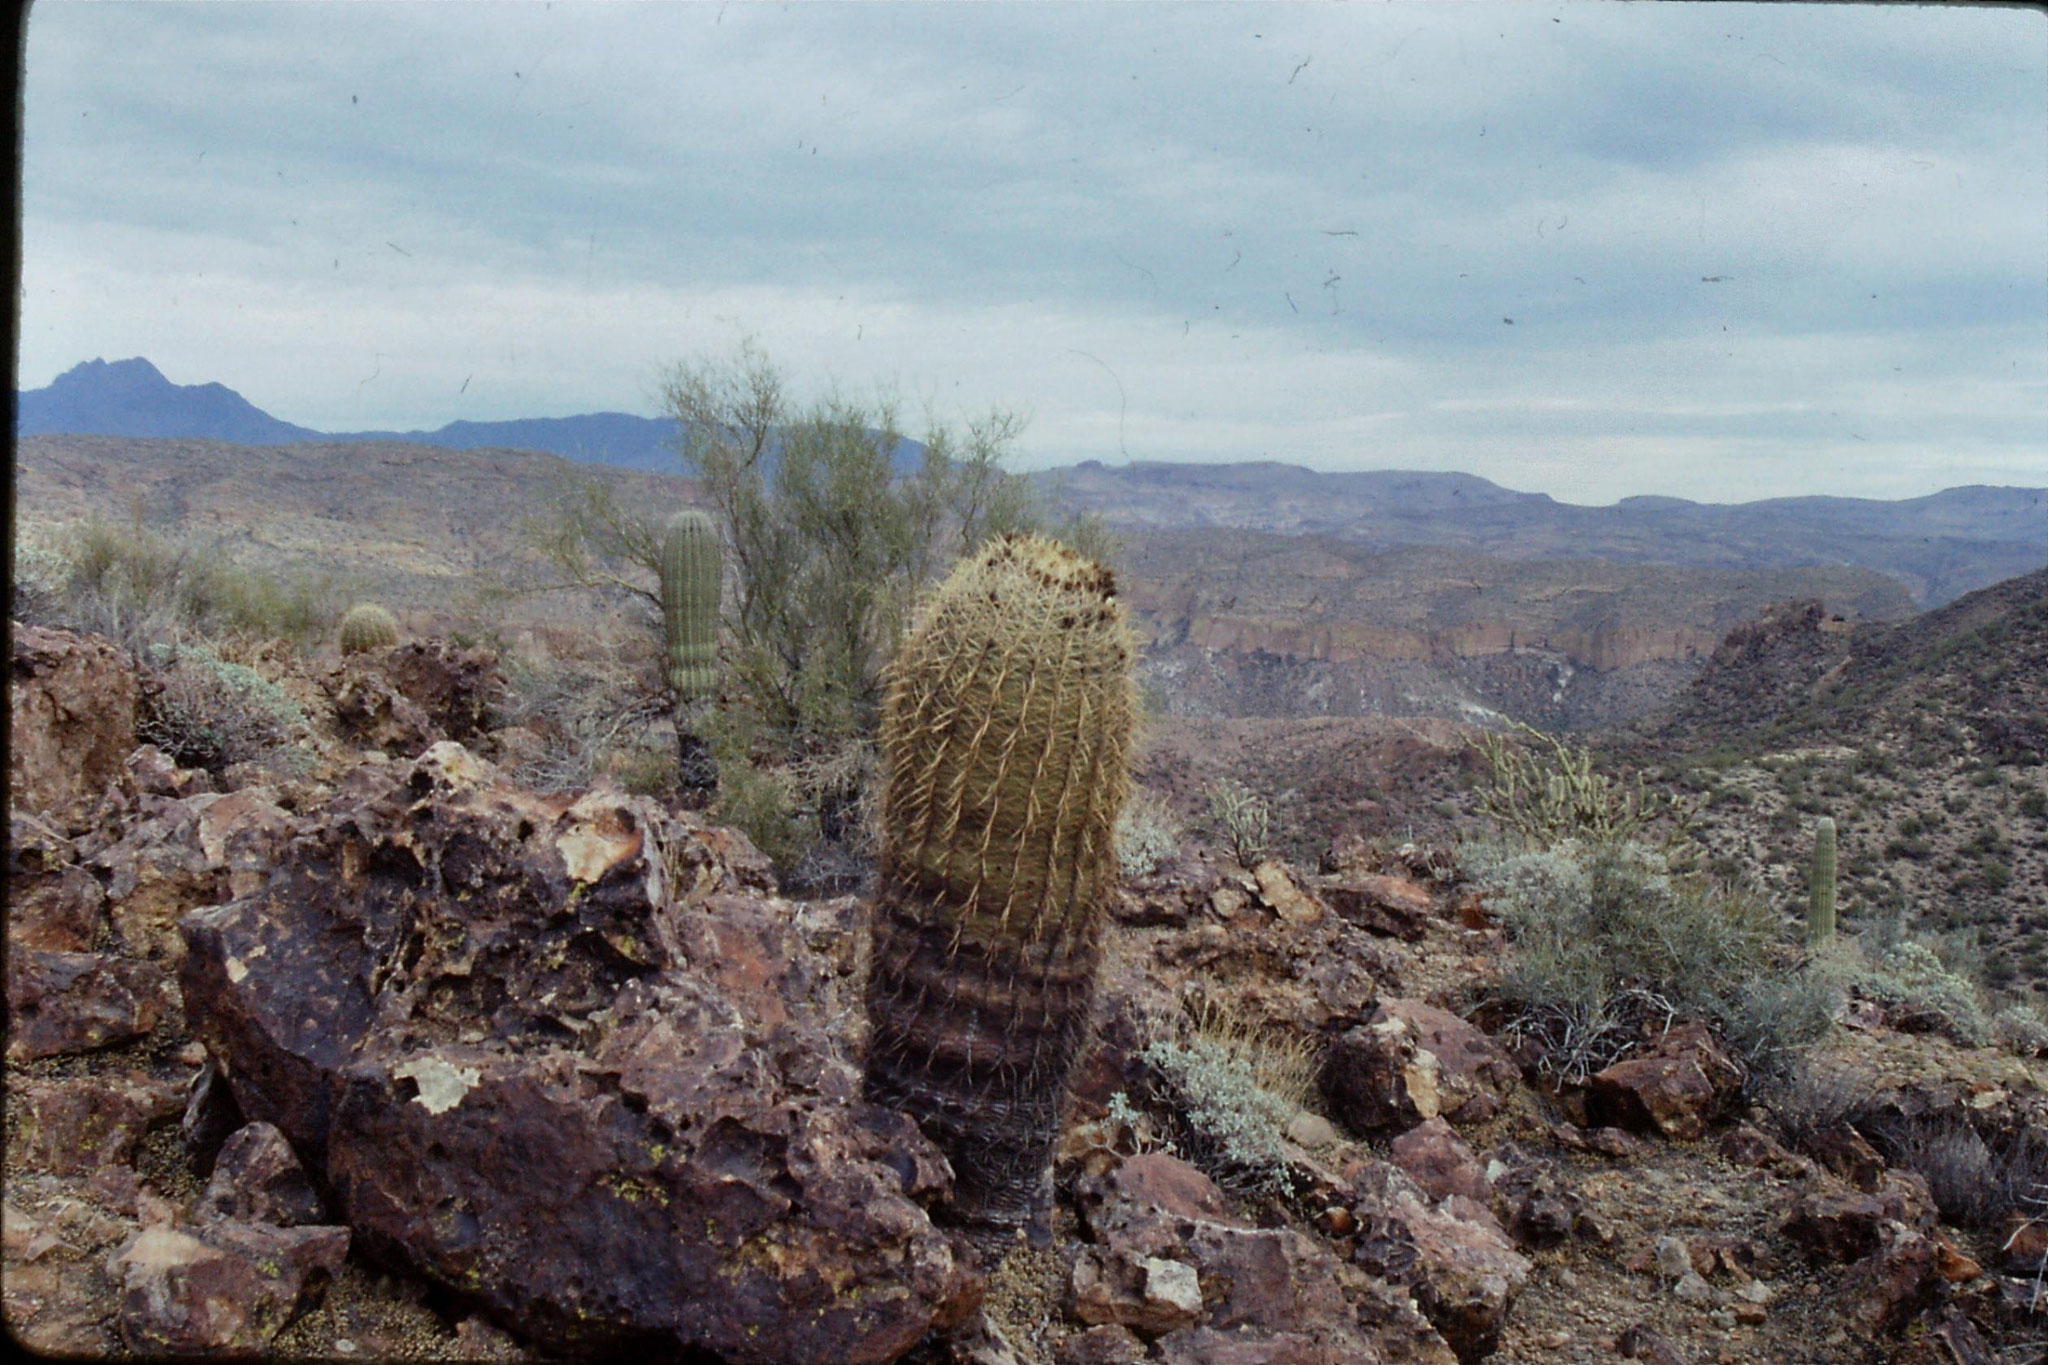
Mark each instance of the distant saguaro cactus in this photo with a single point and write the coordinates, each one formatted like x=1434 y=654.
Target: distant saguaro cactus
x=690 y=570
x=1820 y=912
x=367 y=626
x=1005 y=732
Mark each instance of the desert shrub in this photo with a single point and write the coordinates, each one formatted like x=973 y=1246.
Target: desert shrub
x=1546 y=791
x=206 y=712
x=587 y=712
x=1605 y=939
x=2021 y=1030
x=40 y=575
x=1146 y=834
x=141 y=588
x=1920 y=990
x=1809 y=1098
x=1975 y=1183
x=1243 y=817
x=1231 y=1090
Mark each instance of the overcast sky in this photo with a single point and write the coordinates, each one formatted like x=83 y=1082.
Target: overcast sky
x=1594 y=249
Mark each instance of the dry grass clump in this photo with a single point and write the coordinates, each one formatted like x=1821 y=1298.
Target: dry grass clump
x=1229 y=1091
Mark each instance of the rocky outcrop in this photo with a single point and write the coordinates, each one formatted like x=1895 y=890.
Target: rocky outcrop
x=1409 y=1062
x=573 y=1059
x=403 y=698
x=71 y=705
x=1685 y=1082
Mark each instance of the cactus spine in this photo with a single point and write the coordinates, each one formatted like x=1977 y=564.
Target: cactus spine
x=367 y=626
x=1820 y=912
x=690 y=574
x=1005 y=733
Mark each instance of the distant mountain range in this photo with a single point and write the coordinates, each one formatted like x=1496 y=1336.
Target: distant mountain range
x=132 y=398
x=1939 y=546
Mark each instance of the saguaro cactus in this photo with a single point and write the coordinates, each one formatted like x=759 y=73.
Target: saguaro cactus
x=1820 y=911
x=367 y=626
x=1005 y=731
x=690 y=569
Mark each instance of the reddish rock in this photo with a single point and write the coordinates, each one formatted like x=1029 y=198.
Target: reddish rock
x=1895 y=1281
x=1440 y=1163
x=71 y=703
x=1264 y=1288
x=240 y=835
x=1836 y=1224
x=72 y=1127
x=1105 y=1345
x=1745 y=1145
x=2024 y=1248
x=1393 y=907
x=1460 y=1266
x=257 y=1178
x=405 y=698
x=1281 y=894
x=53 y=904
x=1639 y=1341
x=557 y=1055
x=1411 y=1061
x=152 y=772
x=155 y=873
x=78 y=1002
x=1844 y=1151
x=222 y=1288
x=1676 y=1091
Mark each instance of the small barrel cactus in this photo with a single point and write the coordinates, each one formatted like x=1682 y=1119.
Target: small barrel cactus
x=690 y=568
x=1005 y=732
x=367 y=626
x=1820 y=910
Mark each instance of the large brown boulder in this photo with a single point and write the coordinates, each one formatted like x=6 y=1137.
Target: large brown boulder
x=71 y=716
x=1685 y=1083
x=406 y=697
x=573 y=1059
x=53 y=904
x=1409 y=1062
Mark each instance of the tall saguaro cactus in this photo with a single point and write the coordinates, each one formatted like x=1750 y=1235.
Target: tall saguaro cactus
x=690 y=575
x=1005 y=732
x=1820 y=911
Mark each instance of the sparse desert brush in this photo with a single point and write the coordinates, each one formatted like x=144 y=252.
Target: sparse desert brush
x=1146 y=834
x=1920 y=991
x=584 y=711
x=1230 y=1090
x=1545 y=791
x=1604 y=938
x=205 y=712
x=1243 y=817
x=1975 y=1182
x=2020 y=1030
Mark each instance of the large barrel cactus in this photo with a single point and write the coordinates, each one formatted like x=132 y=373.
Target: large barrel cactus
x=367 y=626
x=1820 y=909
x=690 y=572
x=1005 y=733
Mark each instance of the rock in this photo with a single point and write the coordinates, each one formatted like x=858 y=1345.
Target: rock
x=1476 y=1074
x=1642 y=1342
x=1265 y=1293
x=152 y=772
x=405 y=698
x=71 y=704
x=1110 y=1344
x=221 y=1289
x=1692 y=1288
x=1746 y=1145
x=257 y=1179
x=1376 y=1078
x=53 y=904
x=1393 y=907
x=1440 y=1163
x=1543 y=1209
x=1460 y=1266
x=1676 y=1091
x=2024 y=1245
x=155 y=873
x=211 y=1116
x=1844 y=1151
x=562 y=1056
x=73 y=1127
x=78 y=1002
x=240 y=835
x=1672 y=1258
x=1954 y=1264
x=1312 y=1130
x=1277 y=889
x=1895 y=1281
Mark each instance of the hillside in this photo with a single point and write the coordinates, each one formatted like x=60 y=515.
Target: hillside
x=1926 y=740
x=1939 y=546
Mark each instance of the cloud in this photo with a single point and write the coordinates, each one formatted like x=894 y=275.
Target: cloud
x=1406 y=235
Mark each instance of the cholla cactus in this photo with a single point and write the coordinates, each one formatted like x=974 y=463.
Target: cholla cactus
x=367 y=626
x=1005 y=732
x=1820 y=909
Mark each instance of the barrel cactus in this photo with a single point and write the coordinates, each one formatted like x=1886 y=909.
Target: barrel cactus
x=690 y=571
x=1820 y=912
x=1005 y=733
x=367 y=626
